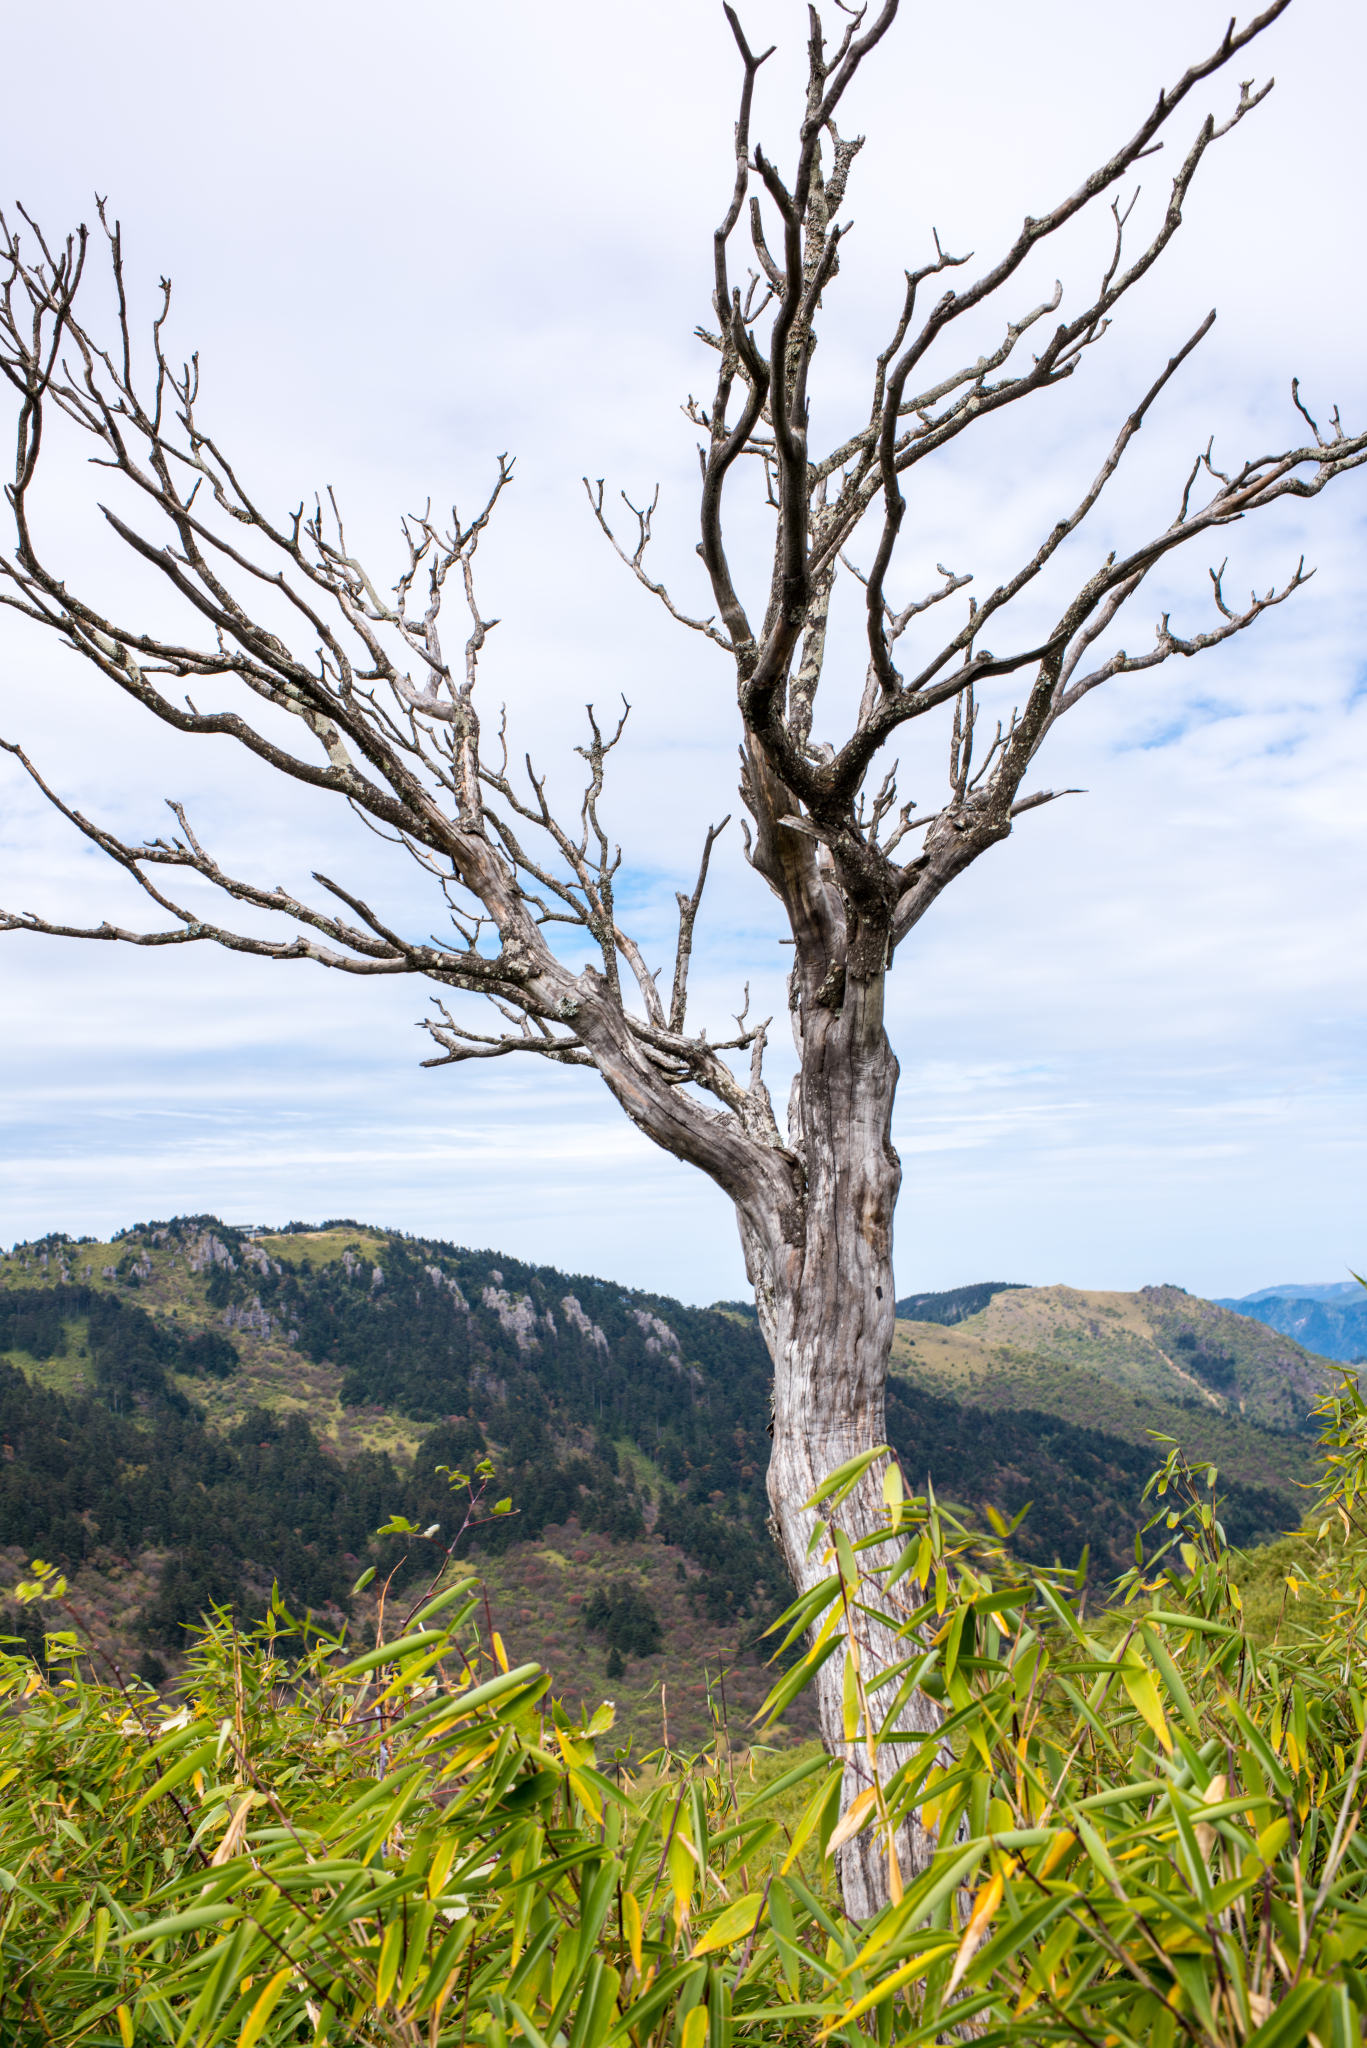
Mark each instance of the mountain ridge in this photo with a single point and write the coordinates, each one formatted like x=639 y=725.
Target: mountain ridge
x=205 y=1378
x=1331 y=1323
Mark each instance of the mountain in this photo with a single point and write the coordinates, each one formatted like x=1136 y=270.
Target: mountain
x=1160 y=1342
x=1331 y=1319
x=194 y=1412
x=1318 y=1290
x=953 y=1305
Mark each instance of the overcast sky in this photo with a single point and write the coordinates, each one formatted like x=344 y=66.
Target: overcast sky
x=1131 y=1038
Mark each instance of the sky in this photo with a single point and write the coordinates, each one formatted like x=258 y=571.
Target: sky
x=1130 y=1039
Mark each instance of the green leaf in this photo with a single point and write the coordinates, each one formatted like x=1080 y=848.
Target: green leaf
x=459 y=1706
x=442 y=1601
x=796 y=1776
x=391 y=1954
x=178 y=1773
x=1292 y=2020
x=795 y=1681
x=845 y=1476
x=1172 y=1678
x=405 y=1646
x=181 y=1923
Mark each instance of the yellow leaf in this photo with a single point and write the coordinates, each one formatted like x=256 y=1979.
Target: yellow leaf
x=585 y=1794
x=1139 y=1684
x=631 y=1926
x=892 y=1493
x=735 y=1924
x=695 y=2028
x=439 y=1869
x=1273 y=1839
x=917 y=1967
x=681 y=1867
x=989 y=1898
x=125 y=2020
x=850 y=1700
x=233 y=1833
x=500 y=1653
x=391 y=1952
x=1057 y=1850
x=852 y=1820
x=262 y=2010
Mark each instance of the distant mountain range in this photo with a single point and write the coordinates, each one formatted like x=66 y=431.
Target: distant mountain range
x=1290 y=1290
x=1329 y=1317
x=193 y=1410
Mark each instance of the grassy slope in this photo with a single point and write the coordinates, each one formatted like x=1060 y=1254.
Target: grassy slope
x=1107 y=1361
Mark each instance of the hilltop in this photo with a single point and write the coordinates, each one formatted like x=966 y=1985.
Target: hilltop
x=192 y=1411
x=1160 y=1342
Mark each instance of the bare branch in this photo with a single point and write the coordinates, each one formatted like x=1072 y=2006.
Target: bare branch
x=634 y=561
x=688 y=917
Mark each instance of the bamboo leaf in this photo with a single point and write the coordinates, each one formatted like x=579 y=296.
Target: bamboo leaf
x=844 y=1478
x=631 y=1926
x=735 y=1923
x=181 y=1923
x=260 y=2013
x=988 y=1900
x=178 y=1773
x=853 y=1819
x=421 y=1639
x=1139 y=1684
x=887 y=1988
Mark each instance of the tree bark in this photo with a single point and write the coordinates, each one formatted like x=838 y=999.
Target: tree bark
x=829 y=1311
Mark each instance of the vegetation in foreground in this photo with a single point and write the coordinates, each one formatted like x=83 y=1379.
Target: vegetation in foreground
x=1148 y=1831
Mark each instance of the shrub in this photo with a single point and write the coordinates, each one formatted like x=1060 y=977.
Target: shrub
x=1143 y=1827
x=622 y=1614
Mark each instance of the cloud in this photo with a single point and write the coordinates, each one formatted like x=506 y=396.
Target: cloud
x=1130 y=1039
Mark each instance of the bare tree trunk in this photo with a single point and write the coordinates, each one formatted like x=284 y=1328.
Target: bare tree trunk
x=832 y=1317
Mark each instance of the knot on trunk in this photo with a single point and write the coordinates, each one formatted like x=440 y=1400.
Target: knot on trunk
x=831 y=993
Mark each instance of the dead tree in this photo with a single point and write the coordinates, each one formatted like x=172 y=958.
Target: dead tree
x=394 y=730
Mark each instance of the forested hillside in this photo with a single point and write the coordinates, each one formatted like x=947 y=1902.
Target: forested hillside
x=194 y=1411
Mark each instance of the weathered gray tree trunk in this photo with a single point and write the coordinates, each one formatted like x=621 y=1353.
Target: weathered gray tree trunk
x=830 y=1327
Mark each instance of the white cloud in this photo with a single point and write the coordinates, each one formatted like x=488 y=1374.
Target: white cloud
x=1130 y=1039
